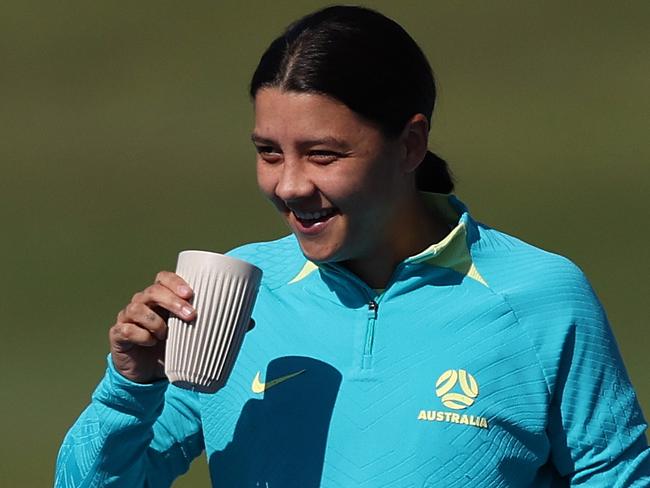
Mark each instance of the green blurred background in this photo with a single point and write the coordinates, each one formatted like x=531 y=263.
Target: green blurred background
x=124 y=139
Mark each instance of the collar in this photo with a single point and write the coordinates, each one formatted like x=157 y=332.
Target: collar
x=452 y=252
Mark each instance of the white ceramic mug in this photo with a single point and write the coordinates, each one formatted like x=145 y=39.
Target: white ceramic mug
x=199 y=355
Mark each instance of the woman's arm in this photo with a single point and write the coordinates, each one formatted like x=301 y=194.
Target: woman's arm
x=596 y=426
x=131 y=435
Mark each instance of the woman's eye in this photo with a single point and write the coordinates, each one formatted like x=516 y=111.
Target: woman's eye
x=268 y=153
x=324 y=157
x=265 y=149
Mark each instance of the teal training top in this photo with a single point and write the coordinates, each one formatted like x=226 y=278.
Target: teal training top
x=485 y=362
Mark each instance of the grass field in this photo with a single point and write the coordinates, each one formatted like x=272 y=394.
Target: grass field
x=125 y=138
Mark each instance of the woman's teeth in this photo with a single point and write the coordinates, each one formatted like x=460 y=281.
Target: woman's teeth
x=314 y=215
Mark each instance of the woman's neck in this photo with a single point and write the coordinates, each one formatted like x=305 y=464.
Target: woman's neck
x=414 y=228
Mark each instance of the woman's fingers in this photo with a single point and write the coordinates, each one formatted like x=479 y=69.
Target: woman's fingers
x=143 y=322
x=174 y=283
x=159 y=295
x=125 y=336
x=140 y=314
x=137 y=338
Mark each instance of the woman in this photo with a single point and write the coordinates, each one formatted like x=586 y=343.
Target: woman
x=398 y=341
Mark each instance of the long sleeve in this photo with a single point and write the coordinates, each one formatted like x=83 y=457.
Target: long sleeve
x=131 y=435
x=596 y=426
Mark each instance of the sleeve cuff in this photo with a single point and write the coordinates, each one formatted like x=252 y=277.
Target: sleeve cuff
x=138 y=399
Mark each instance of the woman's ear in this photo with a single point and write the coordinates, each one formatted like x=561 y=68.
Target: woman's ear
x=415 y=141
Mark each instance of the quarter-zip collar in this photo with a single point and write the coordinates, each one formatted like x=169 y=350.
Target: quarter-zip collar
x=452 y=252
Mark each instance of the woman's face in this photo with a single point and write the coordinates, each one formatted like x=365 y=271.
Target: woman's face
x=332 y=175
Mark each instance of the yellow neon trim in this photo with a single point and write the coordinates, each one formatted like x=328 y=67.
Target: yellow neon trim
x=439 y=246
x=306 y=270
x=475 y=275
x=452 y=252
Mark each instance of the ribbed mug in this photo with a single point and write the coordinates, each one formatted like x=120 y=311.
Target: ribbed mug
x=200 y=354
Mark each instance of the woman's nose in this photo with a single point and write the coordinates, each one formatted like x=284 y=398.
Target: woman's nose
x=293 y=182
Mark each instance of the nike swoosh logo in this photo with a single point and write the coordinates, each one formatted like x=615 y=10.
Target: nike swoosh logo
x=259 y=387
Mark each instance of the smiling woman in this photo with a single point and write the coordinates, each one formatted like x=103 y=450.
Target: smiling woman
x=399 y=342
x=343 y=105
x=342 y=185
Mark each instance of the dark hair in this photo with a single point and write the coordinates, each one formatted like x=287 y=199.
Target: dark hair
x=365 y=60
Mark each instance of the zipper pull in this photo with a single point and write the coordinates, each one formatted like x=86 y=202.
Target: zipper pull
x=373 y=308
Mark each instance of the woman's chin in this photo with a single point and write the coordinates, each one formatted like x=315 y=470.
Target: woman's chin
x=318 y=253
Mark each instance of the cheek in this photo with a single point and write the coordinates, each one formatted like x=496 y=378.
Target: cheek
x=369 y=201
x=364 y=188
x=265 y=179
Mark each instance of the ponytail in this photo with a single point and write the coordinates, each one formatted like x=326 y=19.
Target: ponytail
x=433 y=175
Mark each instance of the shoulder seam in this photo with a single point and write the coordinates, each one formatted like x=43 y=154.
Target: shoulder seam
x=503 y=297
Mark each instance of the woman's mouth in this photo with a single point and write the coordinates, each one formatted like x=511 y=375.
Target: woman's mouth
x=312 y=223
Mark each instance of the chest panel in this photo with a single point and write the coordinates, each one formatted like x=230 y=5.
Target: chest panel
x=454 y=395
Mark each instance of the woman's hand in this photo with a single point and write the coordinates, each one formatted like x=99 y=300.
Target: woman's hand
x=138 y=337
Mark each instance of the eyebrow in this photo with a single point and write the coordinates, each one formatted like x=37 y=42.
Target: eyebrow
x=305 y=143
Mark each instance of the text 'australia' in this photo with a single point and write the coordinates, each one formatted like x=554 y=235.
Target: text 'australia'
x=454 y=418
